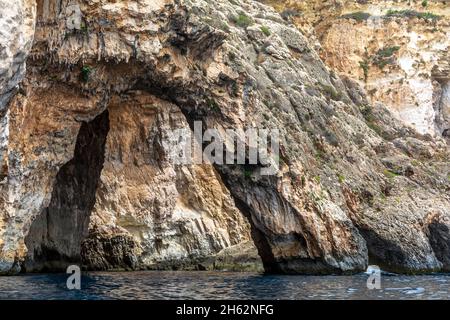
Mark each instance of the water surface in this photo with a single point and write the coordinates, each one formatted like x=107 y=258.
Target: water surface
x=221 y=285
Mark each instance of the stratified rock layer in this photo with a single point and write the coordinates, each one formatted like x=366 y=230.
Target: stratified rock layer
x=354 y=185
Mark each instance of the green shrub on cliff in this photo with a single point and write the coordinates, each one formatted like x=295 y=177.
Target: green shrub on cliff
x=86 y=72
x=331 y=92
x=242 y=20
x=388 y=51
x=384 y=57
x=412 y=14
x=358 y=16
x=265 y=30
x=364 y=65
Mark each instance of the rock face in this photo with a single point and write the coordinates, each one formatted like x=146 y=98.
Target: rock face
x=87 y=177
x=396 y=56
x=177 y=215
x=397 y=50
x=16 y=36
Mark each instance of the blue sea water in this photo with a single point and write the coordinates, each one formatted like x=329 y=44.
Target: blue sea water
x=221 y=285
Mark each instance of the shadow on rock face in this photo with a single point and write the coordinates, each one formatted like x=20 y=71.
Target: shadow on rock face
x=106 y=253
x=55 y=237
x=439 y=236
x=384 y=253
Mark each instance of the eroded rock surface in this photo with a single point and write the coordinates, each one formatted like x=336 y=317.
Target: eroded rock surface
x=16 y=36
x=397 y=50
x=178 y=216
x=354 y=185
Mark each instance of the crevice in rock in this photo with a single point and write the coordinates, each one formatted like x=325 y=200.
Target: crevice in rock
x=258 y=237
x=383 y=252
x=443 y=120
x=441 y=97
x=55 y=237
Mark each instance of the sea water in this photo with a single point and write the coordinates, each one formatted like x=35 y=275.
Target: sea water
x=222 y=285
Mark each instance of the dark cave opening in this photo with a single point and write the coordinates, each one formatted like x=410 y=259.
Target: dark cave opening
x=55 y=237
x=261 y=242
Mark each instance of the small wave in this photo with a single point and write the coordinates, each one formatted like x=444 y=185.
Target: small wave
x=415 y=291
x=408 y=290
x=374 y=269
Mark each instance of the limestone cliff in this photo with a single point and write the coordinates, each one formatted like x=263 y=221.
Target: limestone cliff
x=397 y=50
x=86 y=177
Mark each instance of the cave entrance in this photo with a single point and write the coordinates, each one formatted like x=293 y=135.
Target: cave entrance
x=55 y=237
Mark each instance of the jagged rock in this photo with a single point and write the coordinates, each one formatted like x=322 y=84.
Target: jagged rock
x=174 y=213
x=16 y=36
x=400 y=58
x=333 y=206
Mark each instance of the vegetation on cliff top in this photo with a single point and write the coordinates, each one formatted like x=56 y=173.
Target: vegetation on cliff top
x=407 y=13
